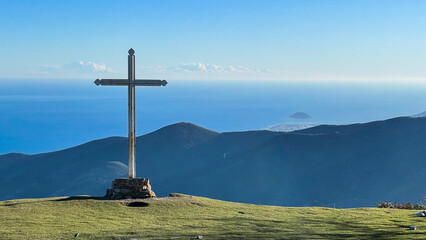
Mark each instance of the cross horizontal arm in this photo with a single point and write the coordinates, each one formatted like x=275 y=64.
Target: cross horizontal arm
x=125 y=82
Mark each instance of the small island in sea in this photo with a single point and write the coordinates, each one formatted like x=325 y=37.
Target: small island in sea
x=300 y=115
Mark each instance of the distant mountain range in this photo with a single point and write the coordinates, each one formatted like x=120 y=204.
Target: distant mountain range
x=343 y=166
x=422 y=114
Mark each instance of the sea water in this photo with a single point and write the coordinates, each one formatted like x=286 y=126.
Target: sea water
x=46 y=115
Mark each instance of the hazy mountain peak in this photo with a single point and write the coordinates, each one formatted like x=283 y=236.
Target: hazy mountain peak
x=422 y=114
x=14 y=156
x=184 y=134
x=184 y=127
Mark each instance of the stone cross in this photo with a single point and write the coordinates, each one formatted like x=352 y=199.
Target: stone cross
x=131 y=82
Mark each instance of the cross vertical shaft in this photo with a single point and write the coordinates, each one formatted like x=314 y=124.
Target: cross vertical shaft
x=131 y=117
x=131 y=83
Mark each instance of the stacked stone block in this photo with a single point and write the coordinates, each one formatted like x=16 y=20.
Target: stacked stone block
x=130 y=188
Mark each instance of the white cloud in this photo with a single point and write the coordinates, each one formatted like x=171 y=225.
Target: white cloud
x=85 y=66
x=198 y=70
x=211 y=68
x=204 y=68
x=75 y=68
x=195 y=70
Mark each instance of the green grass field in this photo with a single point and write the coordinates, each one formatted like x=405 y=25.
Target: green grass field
x=186 y=217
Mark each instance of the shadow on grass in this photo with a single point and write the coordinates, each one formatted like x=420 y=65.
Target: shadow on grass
x=74 y=198
x=127 y=203
x=10 y=203
x=136 y=204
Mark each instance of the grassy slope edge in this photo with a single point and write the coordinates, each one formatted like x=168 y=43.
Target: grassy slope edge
x=185 y=217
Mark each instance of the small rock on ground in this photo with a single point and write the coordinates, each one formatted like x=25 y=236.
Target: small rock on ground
x=413 y=228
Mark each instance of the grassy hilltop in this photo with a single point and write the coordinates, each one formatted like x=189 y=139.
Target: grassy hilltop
x=185 y=217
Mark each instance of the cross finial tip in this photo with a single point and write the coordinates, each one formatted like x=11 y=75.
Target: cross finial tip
x=97 y=82
x=131 y=51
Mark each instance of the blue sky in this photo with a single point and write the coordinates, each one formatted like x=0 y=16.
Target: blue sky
x=262 y=40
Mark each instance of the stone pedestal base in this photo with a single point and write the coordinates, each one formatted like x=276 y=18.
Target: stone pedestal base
x=130 y=188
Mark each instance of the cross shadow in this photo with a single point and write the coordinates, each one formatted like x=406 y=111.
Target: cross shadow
x=8 y=203
x=83 y=197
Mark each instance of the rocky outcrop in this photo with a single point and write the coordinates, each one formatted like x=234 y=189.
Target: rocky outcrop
x=130 y=188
